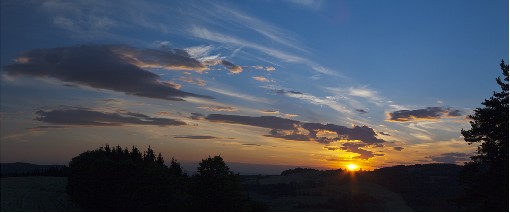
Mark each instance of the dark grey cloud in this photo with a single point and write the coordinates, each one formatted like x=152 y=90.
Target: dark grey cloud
x=199 y=137
x=282 y=92
x=355 y=148
x=398 y=148
x=362 y=133
x=251 y=144
x=168 y=58
x=300 y=131
x=451 y=157
x=270 y=122
x=111 y=67
x=332 y=148
x=88 y=117
x=232 y=67
x=429 y=113
x=454 y=112
x=45 y=127
x=383 y=133
x=362 y=111
x=196 y=116
x=292 y=136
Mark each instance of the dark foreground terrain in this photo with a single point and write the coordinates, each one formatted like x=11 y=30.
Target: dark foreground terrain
x=35 y=194
x=431 y=187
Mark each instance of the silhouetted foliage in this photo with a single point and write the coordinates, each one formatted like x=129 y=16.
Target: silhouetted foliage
x=116 y=179
x=297 y=170
x=27 y=169
x=485 y=178
x=424 y=187
x=216 y=188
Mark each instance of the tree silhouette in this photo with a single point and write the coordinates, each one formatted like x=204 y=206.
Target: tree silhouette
x=216 y=188
x=114 y=179
x=485 y=178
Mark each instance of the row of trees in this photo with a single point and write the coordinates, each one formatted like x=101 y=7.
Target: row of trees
x=117 y=179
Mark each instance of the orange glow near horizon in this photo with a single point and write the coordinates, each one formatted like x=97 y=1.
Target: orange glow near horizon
x=352 y=167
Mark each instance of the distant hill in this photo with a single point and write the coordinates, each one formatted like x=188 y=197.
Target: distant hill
x=420 y=187
x=19 y=168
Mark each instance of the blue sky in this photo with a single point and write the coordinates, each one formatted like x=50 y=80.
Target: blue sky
x=254 y=81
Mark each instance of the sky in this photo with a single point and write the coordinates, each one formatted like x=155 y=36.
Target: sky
x=310 y=83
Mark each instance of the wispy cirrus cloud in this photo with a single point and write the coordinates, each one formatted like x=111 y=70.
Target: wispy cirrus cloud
x=196 y=81
x=321 y=101
x=219 y=108
x=265 y=29
x=267 y=68
x=310 y=4
x=237 y=95
x=261 y=79
x=203 y=33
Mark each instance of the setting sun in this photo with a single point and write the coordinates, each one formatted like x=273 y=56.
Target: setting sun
x=352 y=167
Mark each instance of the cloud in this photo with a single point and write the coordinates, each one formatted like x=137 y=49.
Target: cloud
x=310 y=4
x=383 y=133
x=329 y=101
x=362 y=111
x=270 y=111
x=398 y=148
x=250 y=144
x=196 y=81
x=238 y=95
x=172 y=84
x=170 y=59
x=110 y=67
x=361 y=133
x=261 y=79
x=199 y=51
x=363 y=92
x=355 y=147
x=204 y=33
x=283 y=92
x=197 y=116
x=234 y=69
x=196 y=137
x=268 y=68
x=451 y=157
x=290 y=115
x=429 y=113
x=40 y=128
x=88 y=117
x=263 y=28
x=164 y=113
x=219 y=108
x=296 y=130
x=270 y=122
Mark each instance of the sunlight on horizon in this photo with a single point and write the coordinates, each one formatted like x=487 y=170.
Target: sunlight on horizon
x=352 y=167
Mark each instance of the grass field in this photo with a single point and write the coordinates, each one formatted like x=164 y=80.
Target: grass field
x=35 y=194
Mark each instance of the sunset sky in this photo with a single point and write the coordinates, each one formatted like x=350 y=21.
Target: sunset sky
x=309 y=83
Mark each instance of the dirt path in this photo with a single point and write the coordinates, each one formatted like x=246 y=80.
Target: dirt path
x=35 y=194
